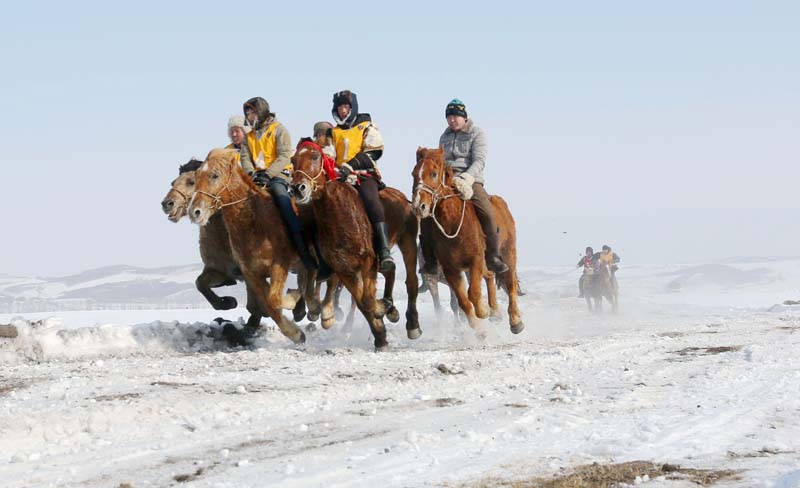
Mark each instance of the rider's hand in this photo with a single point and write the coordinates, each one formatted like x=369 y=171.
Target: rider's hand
x=261 y=178
x=345 y=171
x=463 y=185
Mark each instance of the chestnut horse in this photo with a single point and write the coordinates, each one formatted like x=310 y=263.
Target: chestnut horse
x=219 y=268
x=345 y=236
x=258 y=237
x=458 y=241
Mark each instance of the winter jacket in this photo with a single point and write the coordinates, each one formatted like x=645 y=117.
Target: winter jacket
x=359 y=145
x=465 y=150
x=238 y=155
x=268 y=148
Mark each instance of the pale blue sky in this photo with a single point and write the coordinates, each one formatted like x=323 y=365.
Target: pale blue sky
x=671 y=131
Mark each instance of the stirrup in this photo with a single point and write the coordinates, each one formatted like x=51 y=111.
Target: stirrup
x=496 y=265
x=386 y=264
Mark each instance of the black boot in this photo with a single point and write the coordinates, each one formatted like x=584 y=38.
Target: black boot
x=302 y=251
x=381 y=235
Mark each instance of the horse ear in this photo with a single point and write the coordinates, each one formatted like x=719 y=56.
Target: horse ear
x=420 y=152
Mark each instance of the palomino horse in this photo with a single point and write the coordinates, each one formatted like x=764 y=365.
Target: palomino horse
x=257 y=235
x=458 y=241
x=219 y=268
x=345 y=236
x=599 y=284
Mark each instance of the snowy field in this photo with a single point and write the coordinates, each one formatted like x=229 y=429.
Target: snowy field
x=700 y=369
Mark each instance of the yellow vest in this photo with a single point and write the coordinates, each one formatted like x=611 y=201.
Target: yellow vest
x=238 y=156
x=607 y=258
x=263 y=151
x=348 y=142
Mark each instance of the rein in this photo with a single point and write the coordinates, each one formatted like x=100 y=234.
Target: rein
x=436 y=195
x=218 y=205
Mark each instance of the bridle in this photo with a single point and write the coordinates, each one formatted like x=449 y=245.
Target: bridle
x=436 y=196
x=218 y=205
x=313 y=179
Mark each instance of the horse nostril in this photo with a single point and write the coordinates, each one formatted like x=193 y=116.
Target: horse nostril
x=302 y=188
x=197 y=212
x=170 y=204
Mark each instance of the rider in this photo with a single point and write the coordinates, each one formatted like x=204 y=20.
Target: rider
x=265 y=155
x=323 y=137
x=358 y=145
x=237 y=130
x=607 y=256
x=465 y=151
x=588 y=262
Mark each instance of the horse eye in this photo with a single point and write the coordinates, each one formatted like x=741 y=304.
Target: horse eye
x=434 y=175
x=215 y=175
x=190 y=182
x=315 y=157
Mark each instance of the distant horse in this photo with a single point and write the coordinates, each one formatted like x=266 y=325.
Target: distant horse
x=458 y=241
x=258 y=237
x=345 y=236
x=219 y=267
x=600 y=283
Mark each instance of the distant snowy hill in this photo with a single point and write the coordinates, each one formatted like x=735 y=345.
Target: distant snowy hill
x=119 y=286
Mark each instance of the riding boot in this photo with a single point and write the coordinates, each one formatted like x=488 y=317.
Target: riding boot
x=381 y=236
x=302 y=251
x=324 y=271
x=429 y=264
x=493 y=260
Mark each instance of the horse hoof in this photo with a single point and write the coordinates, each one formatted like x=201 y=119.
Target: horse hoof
x=328 y=323
x=393 y=315
x=301 y=339
x=414 y=333
x=383 y=348
x=516 y=329
x=299 y=314
x=312 y=316
x=228 y=303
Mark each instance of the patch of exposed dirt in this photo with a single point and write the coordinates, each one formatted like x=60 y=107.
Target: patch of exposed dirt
x=7 y=386
x=689 y=352
x=608 y=476
x=120 y=396
x=763 y=452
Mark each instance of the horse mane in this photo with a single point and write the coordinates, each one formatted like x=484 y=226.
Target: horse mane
x=226 y=155
x=192 y=165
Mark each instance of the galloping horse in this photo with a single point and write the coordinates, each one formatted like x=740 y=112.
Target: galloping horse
x=219 y=267
x=458 y=241
x=600 y=284
x=345 y=236
x=258 y=238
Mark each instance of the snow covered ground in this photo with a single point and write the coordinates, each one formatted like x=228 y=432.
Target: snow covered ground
x=699 y=369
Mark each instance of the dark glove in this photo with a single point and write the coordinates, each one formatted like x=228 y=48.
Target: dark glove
x=344 y=170
x=260 y=178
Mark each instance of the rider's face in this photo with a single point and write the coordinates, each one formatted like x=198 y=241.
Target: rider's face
x=250 y=114
x=237 y=135
x=456 y=122
x=343 y=110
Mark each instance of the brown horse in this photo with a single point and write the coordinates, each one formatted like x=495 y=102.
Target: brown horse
x=458 y=241
x=345 y=236
x=259 y=240
x=219 y=267
x=600 y=283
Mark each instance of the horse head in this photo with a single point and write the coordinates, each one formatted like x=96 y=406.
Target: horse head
x=309 y=174
x=215 y=182
x=177 y=199
x=432 y=178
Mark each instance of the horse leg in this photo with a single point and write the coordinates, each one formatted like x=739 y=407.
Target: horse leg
x=495 y=315
x=212 y=278
x=274 y=300
x=254 y=322
x=370 y=305
x=388 y=301
x=459 y=287
x=475 y=277
x=510 y=284
x=307 y=283
x=328 y=312
x=408 y=247
x=338 y=312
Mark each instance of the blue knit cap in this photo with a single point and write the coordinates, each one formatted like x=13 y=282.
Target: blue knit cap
x=456 y=107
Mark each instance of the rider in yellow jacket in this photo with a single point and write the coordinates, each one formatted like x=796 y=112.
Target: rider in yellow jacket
x=266 y=155
x=358 y=145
